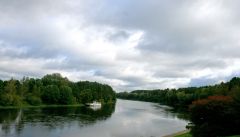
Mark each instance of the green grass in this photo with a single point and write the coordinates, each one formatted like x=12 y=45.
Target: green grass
x=189 y=135
x=184 y=135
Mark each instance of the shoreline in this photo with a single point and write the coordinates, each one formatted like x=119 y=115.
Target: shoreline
x=47 y=106
x=177 y=133
x=39 y=106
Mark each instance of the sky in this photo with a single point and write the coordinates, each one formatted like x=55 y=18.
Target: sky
x=128 y=44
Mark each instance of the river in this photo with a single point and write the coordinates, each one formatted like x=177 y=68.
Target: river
x=125 y=119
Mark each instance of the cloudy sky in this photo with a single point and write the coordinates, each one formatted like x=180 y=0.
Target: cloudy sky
x=129 y=44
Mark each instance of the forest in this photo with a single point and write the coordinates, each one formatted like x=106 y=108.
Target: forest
x=214 y=110
x=53 y=89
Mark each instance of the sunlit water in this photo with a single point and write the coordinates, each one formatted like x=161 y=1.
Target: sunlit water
x=126 y=119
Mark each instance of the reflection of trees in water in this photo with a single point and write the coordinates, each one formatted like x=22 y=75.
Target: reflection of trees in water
x=14 y=120
x=7 y=119
x=173 y=112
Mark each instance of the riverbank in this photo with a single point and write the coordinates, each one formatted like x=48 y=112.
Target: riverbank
x=184 y=133
x=49 y=106
x=40 y=106
x=187 y=134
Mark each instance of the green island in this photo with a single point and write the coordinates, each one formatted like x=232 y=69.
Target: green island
x=52 y=90
x=214 y=111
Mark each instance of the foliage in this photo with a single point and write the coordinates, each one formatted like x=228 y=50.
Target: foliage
x=53 y=89
x=51 y=94
x=183 y=97
x=214 y=116
x=7 y=99
x=66 y=96
x=33 y=100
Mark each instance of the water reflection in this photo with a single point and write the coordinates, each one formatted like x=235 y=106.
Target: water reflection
x=12 y=121
x=128 y=119
x=173 y=112
x=143 y=119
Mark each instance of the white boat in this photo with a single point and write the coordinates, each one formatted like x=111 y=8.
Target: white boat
x=95 y=105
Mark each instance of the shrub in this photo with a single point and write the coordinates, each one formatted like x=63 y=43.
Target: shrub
x=33 y=100
x=214 y=116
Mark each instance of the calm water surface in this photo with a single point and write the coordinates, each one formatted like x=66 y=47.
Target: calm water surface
x=126 y=119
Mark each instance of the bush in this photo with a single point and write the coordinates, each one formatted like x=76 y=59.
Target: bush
x=214 y=116
x=51 y=94
x=10 y=100
x=33 y=100
x=66 y=96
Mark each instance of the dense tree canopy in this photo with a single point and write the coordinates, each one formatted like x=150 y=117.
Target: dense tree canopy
x=183 y=97
x=53 y=89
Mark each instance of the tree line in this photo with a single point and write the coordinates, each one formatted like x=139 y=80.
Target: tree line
x=214 y=110
x=53 y=89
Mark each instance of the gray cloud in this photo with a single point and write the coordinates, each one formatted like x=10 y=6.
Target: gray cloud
x=118 y=36
x=127 y=44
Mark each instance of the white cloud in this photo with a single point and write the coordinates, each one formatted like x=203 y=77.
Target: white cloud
x=127 y=44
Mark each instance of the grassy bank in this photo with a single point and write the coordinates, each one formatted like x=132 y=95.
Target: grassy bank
x=48 y=106
x=184 y=135
x=189 y=135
